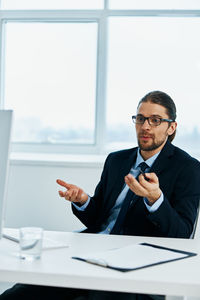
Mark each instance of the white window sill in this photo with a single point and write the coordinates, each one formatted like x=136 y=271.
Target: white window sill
x=58 y=160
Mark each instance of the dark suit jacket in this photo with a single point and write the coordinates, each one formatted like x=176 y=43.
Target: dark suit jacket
x=179 y=179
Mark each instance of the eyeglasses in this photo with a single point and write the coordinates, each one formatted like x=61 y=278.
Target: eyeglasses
x=153 y=121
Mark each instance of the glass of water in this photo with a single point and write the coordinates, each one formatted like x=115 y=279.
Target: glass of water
x=30 y=242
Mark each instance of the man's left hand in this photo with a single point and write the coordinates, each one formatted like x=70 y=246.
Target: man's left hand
x=149 y=189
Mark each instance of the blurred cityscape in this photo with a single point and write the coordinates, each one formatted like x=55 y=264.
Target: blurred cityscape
x=33 y=131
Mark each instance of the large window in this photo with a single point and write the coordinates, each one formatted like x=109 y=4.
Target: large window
x=154 y=4
x=51 y=4
x=50 y=81
x=74 y=71
x=153 y=53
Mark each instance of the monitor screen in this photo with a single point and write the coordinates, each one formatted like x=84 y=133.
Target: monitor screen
x=5 y=138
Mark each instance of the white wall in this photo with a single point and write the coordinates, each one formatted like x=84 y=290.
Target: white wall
x=32 y=197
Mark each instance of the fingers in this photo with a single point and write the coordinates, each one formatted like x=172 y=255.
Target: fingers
x=143 y=187
x=62 y=194
x=63 y=183
x=151 y=177
x=70 y=192
x=134 y=185
x=129 y=179
x=73 y=192
x=71 y=195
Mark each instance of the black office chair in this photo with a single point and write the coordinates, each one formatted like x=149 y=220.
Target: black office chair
x=196 y=230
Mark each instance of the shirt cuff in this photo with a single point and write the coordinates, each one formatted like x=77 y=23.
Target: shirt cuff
x=156 y=205
x=82 y=207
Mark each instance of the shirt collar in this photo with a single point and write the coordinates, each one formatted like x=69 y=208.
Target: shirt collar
x=149 y=161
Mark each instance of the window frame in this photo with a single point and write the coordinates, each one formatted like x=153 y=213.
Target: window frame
x=100 y=16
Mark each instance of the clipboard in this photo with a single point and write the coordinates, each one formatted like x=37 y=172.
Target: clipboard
x=134 y=257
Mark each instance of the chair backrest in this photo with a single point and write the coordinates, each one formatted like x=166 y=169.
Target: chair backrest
x=196 y=230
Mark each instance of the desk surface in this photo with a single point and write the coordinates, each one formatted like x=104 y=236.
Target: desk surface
x=56 y=268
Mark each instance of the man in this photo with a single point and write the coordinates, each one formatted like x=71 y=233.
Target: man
x=166 y=204
x=150 y=190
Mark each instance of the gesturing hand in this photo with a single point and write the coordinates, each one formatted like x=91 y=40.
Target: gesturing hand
x=73 y=192
x=149 y=189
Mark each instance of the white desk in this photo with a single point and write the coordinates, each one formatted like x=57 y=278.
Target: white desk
x=56 y=268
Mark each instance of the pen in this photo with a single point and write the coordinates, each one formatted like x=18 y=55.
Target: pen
x=99 y=262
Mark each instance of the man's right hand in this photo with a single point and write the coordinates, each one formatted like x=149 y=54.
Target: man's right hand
x=73 y=192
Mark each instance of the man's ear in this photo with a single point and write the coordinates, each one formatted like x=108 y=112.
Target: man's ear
x=172 y=128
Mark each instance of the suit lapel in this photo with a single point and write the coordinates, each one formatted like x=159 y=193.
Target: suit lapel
x=161 y=162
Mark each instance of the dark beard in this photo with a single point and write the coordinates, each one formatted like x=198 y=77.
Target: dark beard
x=154 y=146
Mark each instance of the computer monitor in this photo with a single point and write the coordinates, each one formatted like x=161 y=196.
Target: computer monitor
x=5 y=138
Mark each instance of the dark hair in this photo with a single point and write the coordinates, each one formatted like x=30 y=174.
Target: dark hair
x=164 y=100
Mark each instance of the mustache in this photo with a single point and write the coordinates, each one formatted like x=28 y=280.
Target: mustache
x=144 y=133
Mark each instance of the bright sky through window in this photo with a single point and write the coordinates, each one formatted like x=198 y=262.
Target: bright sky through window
x=51 y=81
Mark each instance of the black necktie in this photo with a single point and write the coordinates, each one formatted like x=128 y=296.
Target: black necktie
x=126 y=203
